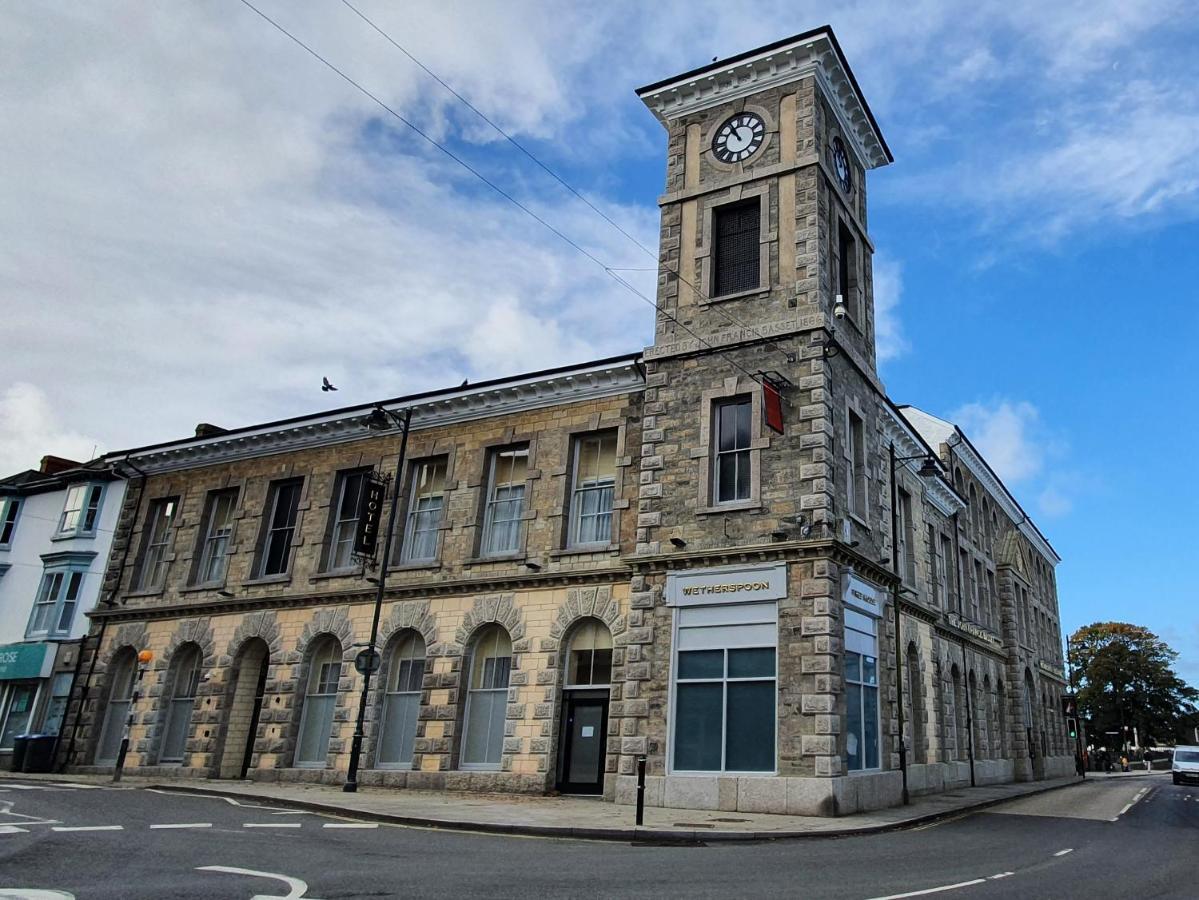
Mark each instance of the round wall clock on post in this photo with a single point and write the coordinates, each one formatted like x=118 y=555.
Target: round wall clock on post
x=739 y=138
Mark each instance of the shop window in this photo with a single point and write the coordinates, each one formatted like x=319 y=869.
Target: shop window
x=861 y=692
x=487 y=700
x=17 y=712
x=56 y=710
x=401 y=701
x=725 y=689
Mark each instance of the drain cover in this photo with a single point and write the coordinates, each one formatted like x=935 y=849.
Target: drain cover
x=693 y=825
x=730 y=820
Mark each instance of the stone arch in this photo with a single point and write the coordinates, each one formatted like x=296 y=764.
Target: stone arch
x=495 y=608
x=413 y=615
x=131 y=634
x=586 y=603
x=264 y=625
x=336 y=622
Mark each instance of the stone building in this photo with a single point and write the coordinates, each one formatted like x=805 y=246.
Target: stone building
x=731 y=555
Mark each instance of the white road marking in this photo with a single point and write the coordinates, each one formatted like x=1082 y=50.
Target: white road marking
x=296 y=887
x=935 y=890
x=13 y=829
x=1126 y=808
x=272 y=825
x=230 y=800
x=88 y=828
x=1000 y=875
x=6 y=810
x=33 y=894
x=350 y=825
x=1064 y=852
x=185 y=825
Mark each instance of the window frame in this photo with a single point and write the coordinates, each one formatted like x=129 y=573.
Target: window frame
x=737 y=453
x=857 y=461
x=489 y=503
x=576 y=491
x=862 y=685
x=906 y=537
x=206 y=539
x=335 y=524
x=270 y=530
x=402 y=554
x=10 y=516
x=847 y=269
x=67 y=574
x=91 y=503
x=719 y=212
x=486 y=633
x=149 y=543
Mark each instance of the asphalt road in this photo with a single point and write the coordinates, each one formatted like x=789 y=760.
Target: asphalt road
x=1128 y=837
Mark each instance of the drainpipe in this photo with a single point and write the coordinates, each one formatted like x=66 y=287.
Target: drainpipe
x=110 y=602
x=903 y=749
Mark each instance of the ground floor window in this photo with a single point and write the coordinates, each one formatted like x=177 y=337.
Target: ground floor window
x=320 y=700
x=60 y=693
x=17 y=712
x=861 y=692
x=725 y=688
x=401 y=701
x=487 y=700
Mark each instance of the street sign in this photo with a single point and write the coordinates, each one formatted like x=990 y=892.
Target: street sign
x=368 y=661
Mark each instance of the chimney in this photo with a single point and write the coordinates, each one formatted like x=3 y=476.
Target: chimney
x=204 y=430
x=52 y=465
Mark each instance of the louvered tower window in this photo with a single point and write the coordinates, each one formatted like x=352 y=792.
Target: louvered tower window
x=737 y=252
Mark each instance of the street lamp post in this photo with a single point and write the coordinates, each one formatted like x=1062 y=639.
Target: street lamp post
x=378 y=420
x=928 y=469
x=143 y=662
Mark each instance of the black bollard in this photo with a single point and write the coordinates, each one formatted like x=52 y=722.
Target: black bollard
x=640 y=790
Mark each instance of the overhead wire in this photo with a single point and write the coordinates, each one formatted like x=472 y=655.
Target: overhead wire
x=549 y=171
x=495 y=187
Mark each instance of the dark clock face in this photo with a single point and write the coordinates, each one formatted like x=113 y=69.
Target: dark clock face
x=739 y=138
x=841 y=165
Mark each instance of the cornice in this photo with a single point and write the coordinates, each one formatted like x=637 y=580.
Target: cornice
x=468 y=404
x=938 y=491
x=811 y=55
x=364 y=594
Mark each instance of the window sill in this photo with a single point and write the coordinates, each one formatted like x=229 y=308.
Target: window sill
x=585 y=550
x=72 y=535
x=147 y=592
x=739 y=506
x=859 y=520
x=737 y=295
x=339 y=573
x=484 y=560
x=430 y=566
x=478 y=767
x=207 y=586
x=285 y=578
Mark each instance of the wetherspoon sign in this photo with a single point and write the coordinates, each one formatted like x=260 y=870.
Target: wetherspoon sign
x=730 y=584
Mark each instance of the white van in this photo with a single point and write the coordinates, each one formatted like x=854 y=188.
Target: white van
x=1186 y=765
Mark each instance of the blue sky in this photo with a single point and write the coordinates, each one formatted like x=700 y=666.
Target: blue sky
x=199 y=221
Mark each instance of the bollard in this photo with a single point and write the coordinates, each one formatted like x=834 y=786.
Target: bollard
x=640 y=790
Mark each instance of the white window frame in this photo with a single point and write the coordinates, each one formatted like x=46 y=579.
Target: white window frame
x=752 y=618
x=211 y=540
x=72 y=522
x=397 y=689
x=423 y=516
x=862 y=686
x=472 y=692
x=492 y=503
x=339 y=526
x=10 y=515
x=66 y=575
x=329 y=654
x=153 y=561
x=580 y=489
x=185 y=684
x=742 y=455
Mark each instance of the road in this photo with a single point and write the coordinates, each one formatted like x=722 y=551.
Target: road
x=1125 y=837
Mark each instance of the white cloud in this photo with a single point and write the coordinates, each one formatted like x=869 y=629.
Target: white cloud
x=888 y=286
x=30 y=428
x=1006 y=433
x=1054 y=503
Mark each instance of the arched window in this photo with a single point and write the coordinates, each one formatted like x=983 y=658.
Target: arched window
x=1001 y=702
x=974 y=516
x=916 y=699
x=487 y=699
x=122 y=674
x=184 y=680
x=978 y=729
x=320 y=698
x=401 y=700
x=988 y=704
x=589 y=663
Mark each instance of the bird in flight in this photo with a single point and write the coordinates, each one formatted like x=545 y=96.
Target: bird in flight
x=326 y=386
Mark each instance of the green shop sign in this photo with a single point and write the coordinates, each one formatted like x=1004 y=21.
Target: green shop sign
x=26 y=661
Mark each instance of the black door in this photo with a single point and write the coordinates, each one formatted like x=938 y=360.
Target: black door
x=584 y=743
x=253 y=733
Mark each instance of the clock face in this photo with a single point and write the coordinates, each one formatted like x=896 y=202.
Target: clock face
x=841 y=165
x=739 y=138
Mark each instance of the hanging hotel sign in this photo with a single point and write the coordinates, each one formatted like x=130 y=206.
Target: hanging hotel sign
x=730 y=584
x=861 y=594
x=366 y=539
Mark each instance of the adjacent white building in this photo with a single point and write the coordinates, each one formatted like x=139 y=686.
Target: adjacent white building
x=56 y=528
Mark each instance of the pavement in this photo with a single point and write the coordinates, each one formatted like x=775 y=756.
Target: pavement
x=1106 y=837
x=579 y=817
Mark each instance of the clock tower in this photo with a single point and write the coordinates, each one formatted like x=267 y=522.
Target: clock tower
x=760 y=428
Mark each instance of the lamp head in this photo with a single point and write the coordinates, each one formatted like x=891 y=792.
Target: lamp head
x=929 y=468
x=377 y=420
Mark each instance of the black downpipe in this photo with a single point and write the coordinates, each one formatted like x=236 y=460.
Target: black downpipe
x=903 y=748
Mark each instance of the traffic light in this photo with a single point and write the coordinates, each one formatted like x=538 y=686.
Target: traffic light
x=1069 y=705
x=1072 y=724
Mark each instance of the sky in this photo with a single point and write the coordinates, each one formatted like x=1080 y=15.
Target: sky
x=199 y=221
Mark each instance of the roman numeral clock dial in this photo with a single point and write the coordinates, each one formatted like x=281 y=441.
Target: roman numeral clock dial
x=739 y=138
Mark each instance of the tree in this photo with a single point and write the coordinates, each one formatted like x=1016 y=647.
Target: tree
x=1125 y=679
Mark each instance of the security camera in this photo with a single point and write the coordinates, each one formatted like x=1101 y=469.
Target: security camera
x=839 y=310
